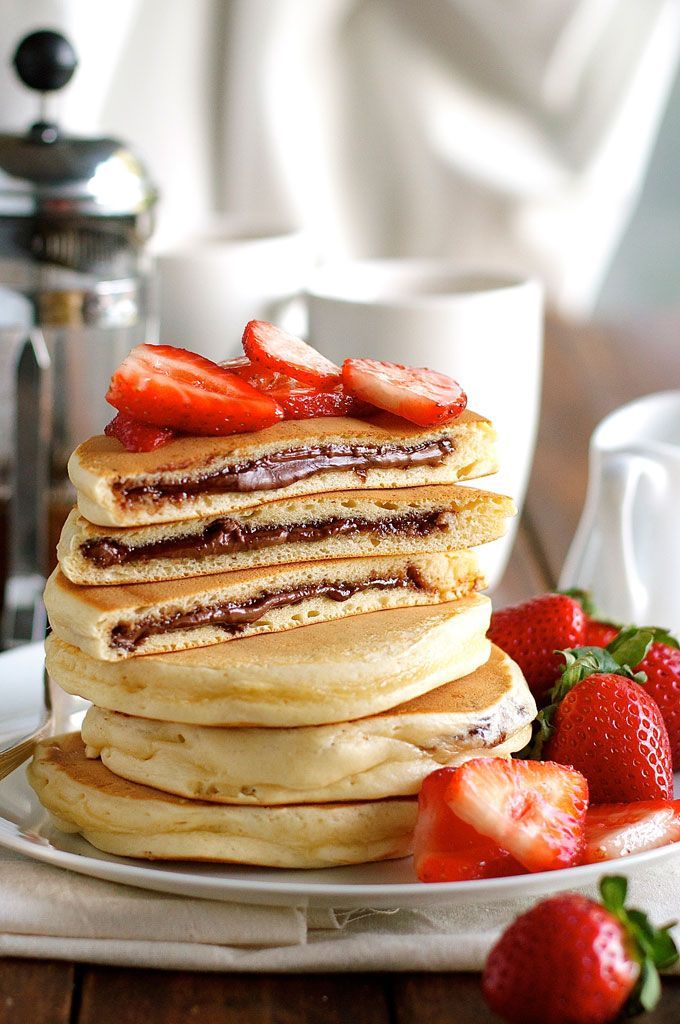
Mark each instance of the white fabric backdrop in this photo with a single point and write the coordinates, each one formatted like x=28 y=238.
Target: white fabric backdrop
x=508 y=133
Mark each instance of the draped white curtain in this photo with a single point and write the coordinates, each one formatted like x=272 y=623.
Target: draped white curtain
x=502 y=133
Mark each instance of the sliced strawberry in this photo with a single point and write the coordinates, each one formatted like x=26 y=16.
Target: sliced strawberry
x=275 y=349
x=136 y=436
x=533 y=809
x=170 y=387
x=616 y=830
x=421 y=396
x=448 y=850
x=298 y=401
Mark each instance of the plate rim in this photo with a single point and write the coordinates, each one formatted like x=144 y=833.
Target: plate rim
x=260 y=891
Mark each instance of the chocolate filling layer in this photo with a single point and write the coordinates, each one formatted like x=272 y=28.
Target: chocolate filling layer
x=234 y=616
x=226 y=536
x=279 y=469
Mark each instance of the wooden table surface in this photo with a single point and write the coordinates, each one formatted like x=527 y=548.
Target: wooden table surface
x=589 y=370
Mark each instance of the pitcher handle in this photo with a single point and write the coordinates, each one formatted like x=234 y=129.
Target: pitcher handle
x=605 y=545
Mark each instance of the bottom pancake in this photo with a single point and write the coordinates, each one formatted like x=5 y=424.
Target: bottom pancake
x=487 y=712
x=132 y=820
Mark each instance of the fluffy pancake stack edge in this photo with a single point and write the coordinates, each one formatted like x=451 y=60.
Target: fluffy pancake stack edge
x=281 y=634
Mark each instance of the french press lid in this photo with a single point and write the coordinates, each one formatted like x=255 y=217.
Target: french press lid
x=48 y=172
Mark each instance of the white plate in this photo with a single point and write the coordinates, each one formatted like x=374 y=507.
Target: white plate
x=25 y=827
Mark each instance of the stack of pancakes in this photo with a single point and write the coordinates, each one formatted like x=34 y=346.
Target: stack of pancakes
x=222 y=731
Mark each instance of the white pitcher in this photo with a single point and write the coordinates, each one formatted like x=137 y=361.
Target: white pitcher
x=626 y=550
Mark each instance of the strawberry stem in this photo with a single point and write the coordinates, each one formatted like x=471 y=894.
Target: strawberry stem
x=652 y=947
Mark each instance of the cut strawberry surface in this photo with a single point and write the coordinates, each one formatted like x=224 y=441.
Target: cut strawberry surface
x=446 y=849
x=276 y=350
x=171 y=387
x=136 y=436
x=616 y=830
x=298 y=401
x=533 y=809
x=419 y=395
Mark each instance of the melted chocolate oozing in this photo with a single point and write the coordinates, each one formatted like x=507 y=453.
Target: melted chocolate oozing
x=279 y=469
x=234 y=616
x=227 y=536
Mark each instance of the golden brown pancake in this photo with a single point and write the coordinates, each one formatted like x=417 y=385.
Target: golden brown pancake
x=488 y=712
x=131 y=820
x=203 y=476
x=116 y=622
x=329 y=672
x=341 y=524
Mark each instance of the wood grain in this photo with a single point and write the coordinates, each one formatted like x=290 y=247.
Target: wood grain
x=111 y=996
x=36 y=991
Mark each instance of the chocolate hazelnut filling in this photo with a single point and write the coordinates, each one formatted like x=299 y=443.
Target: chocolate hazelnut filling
x=227 y=536
x=233 y=616
x=279 y=469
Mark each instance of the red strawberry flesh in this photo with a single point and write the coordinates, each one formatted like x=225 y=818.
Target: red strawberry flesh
x=661 y=665
x=276 y=350
x=419 y=395
x=617 y=830
x=535 y=810
x=599 y=634
x=298 y=401
x=566 y=961
x=171 y=387
x=446 y=849
x=136 y=436
x=610 y=729
x=533 y=632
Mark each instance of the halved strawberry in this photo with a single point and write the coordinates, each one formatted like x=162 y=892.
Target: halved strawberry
x=298 y=401
x=615 y=830
x=533 y=809
x=419 y=395
x=136 y=436
x=171 y=387
x=275 y=349
x=446 y=849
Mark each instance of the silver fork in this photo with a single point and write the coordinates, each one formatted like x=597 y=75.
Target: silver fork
x=13 y=756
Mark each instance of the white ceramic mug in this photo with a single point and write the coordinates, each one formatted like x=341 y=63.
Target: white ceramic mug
x=210 y=285
x=485 y=330
x=626 y=549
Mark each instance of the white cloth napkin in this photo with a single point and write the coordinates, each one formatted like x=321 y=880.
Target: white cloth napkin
x=50 y=913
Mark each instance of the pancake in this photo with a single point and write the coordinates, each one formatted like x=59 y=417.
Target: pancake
x=201 y=476
x=116 y=622
x=488 y=712
x=330 y=672
x=125 y=818
x=342 y=524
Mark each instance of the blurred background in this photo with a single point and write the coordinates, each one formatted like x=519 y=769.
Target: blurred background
x=540 y=135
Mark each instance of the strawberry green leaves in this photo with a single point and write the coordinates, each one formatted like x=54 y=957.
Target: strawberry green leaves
x=653 y=948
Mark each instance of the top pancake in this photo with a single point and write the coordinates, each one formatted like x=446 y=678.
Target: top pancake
x=102 y=470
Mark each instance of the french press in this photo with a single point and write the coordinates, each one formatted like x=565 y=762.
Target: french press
x=75 y=297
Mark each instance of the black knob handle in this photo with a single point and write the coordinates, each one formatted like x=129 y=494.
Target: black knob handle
x=45 y=60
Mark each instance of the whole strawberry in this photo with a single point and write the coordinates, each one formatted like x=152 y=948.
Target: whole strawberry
x=602 y=722
x=532 y=632
x=661 y=665
x=570 y=960
x=597 y=632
